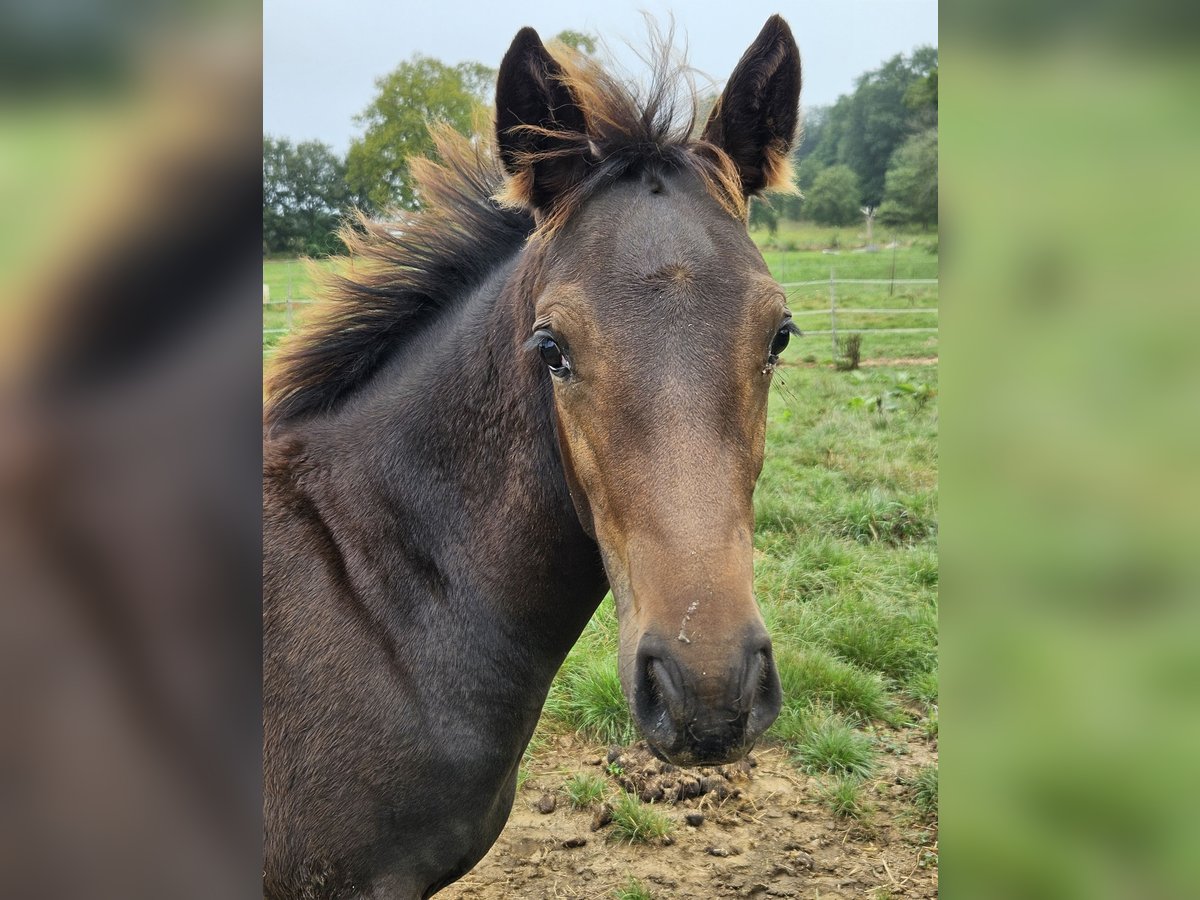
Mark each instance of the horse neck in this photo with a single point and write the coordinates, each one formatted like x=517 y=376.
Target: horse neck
x=467 y=488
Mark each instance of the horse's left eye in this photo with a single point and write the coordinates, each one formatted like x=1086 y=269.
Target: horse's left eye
x=552 y=355
x=780 y=341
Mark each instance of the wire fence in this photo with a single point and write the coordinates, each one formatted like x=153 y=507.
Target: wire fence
x=290 y=303
x=833 y=310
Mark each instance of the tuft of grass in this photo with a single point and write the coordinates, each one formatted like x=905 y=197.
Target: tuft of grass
x=923 y=687
x=584 y=789
x=880 y=635
x=815 y=676
x=844 y=797
x=638 y=822
x=587 y=698
x=632 y=890
x=930 y=724
x=830 y=745
x=873 y=516
x=925 y=790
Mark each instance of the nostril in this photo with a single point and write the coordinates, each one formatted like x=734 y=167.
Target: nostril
x=657 y=698
x=767 y=697
x=754 y=674
x=654 y=697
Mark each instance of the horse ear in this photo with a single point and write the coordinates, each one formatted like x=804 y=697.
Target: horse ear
x=540 y=129
x=755 y=119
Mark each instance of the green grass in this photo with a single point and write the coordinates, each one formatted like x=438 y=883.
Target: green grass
x=587 y=698
x=584 y=789
x=294 y=279
x=844 y=797
x=820 y=678
x=923 y=687
x=829 y=744
x=633 y=890
x=637 y=822
x=925 y=790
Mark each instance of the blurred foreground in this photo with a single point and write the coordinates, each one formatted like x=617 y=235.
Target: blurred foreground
x=129 y=410
x=1071 y=436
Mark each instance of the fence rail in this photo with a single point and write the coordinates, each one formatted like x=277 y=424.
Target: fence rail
x=825 y=281
x=832 y=310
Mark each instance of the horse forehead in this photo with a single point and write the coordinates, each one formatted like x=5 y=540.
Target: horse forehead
x=633 y=232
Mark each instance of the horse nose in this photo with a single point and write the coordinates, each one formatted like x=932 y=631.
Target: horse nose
x=705 y=717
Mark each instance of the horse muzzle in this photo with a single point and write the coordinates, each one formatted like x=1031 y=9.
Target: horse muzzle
x=698 y=711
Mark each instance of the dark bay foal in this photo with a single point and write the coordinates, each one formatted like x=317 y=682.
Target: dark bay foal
x=550 y=383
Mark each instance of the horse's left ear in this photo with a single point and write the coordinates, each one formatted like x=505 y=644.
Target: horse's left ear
x=539 y=126
x=755 y=120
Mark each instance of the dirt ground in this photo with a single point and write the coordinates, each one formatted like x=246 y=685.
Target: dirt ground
x=765 y=832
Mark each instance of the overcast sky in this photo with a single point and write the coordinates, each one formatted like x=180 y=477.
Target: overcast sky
x=321 y=57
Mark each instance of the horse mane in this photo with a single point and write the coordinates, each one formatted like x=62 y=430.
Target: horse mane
x=403 y=273
x=473 y=218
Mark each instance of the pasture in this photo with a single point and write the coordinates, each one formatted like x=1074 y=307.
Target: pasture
x=843 y=797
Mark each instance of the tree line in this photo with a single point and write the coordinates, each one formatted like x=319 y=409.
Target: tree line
x=874 y=148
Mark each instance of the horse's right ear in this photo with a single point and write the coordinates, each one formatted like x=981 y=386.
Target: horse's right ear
x=540 y=129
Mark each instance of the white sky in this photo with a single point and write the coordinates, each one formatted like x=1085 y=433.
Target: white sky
x=321 y=57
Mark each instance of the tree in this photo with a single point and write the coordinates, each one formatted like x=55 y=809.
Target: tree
x=912 y=181
x=583 y=41
x=418 y=92
x=304 y=197
x=863 y=129
x=922 y=100
x=835 y=197
x=763 y=215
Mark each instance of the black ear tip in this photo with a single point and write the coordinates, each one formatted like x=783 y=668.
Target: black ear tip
x=777 y=29
x=526 y=39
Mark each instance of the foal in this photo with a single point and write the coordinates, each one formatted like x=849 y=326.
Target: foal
x=551 y=383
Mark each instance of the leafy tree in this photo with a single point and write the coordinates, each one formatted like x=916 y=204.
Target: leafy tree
x=583 y=41
x=922 y=100
x=863 y=129
x=419 y=91
x=834 y=198
x=763 y=215
x=304 y=197
x=912 y=181
x=876 y=125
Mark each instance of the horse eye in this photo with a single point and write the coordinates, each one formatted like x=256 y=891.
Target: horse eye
x=552 y=356
x=780 y=341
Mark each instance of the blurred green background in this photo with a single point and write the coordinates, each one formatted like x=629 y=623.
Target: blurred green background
x=1070 y=393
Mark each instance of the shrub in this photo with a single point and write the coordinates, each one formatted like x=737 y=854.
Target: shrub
x=834 y=198
x=849 y=352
